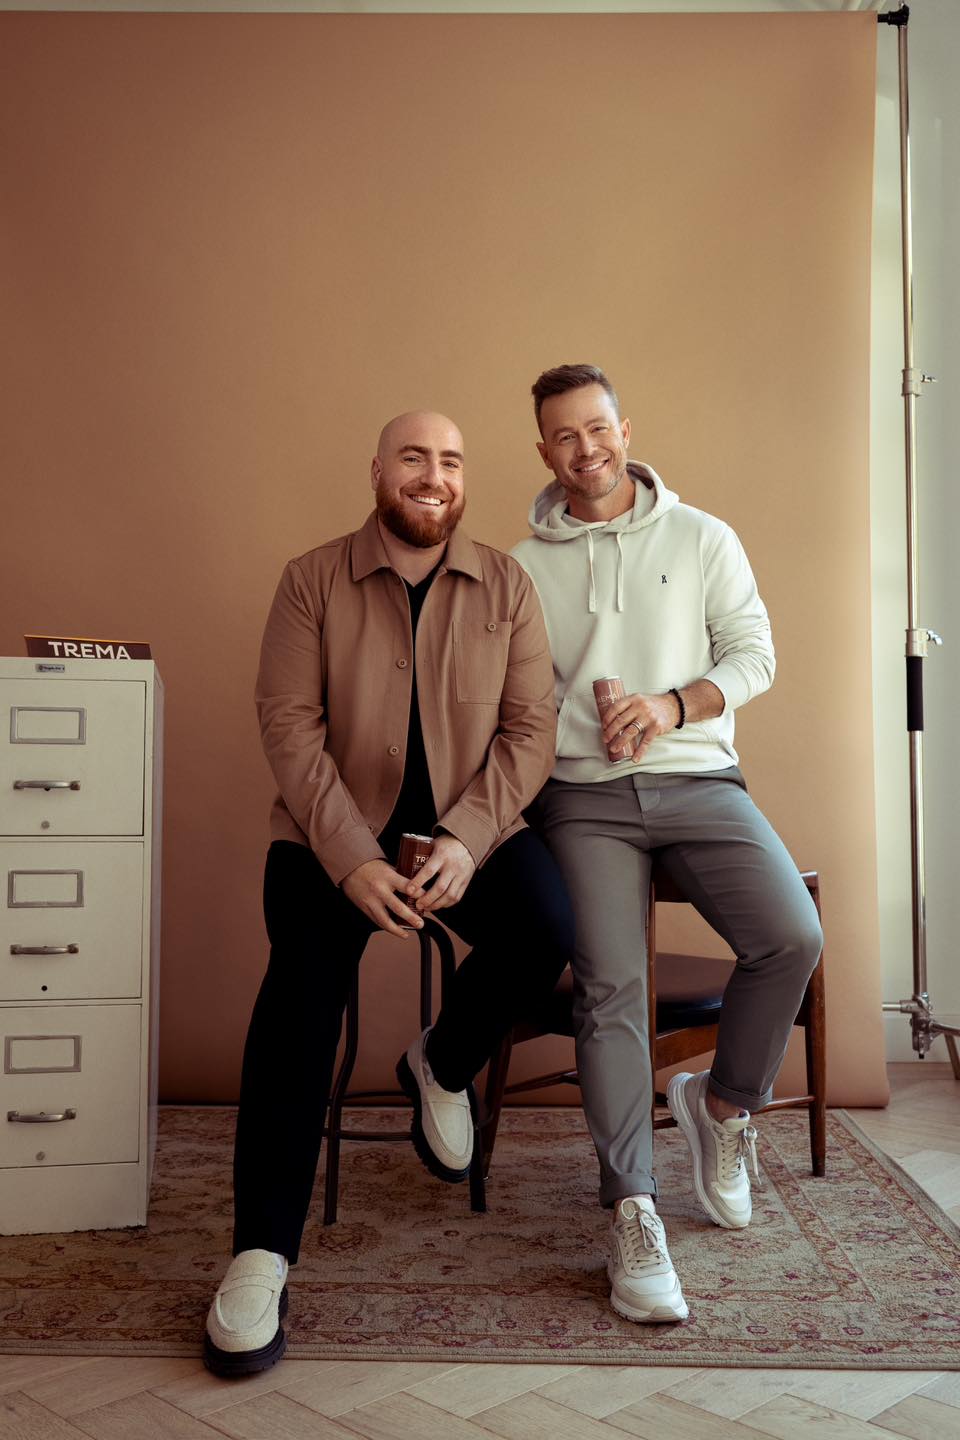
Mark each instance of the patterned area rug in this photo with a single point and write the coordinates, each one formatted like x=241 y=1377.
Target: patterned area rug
x=859 y=1269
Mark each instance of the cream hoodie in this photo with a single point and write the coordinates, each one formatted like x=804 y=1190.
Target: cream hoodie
x=661 y=596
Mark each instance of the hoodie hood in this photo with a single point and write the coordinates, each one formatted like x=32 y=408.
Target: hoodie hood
x=549 y=520
x=548 y=509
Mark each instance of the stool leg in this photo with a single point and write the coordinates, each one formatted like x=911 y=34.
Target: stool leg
x=478 y=1189
x=337 y=1094
x=426 y=977
x=814 y=1035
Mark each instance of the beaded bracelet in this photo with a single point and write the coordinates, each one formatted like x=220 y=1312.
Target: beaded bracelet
x=683 y=709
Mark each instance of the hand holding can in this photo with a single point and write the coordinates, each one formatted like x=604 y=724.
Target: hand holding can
x=605 y=691
x=415 y=851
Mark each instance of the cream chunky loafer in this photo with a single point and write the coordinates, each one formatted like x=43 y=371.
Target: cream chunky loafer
x=442 y=1123
x=244 y=1334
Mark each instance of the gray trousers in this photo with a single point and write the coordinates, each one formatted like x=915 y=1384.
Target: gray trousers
x=730 y=862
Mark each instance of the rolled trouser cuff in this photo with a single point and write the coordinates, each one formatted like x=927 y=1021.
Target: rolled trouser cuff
x=743 y=1098
x=618 y=1187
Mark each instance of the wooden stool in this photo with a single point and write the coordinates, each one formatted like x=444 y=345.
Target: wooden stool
x=431 y=934
x=684 y=996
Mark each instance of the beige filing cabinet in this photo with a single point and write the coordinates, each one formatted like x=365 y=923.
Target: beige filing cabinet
x=80 y=791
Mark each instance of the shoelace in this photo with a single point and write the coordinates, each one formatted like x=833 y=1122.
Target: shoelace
x=641 y=1234
x=734 y=1150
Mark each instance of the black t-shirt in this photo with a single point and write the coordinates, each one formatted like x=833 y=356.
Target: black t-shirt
x=414 y=811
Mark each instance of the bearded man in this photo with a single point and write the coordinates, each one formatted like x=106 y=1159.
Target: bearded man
x=405 y=685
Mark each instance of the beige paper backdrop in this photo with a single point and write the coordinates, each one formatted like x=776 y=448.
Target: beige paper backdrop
x=234 y=245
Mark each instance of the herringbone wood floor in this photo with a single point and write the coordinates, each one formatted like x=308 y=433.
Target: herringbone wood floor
x=50 y=1398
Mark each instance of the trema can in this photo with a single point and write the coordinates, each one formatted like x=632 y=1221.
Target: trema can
x=605 y=691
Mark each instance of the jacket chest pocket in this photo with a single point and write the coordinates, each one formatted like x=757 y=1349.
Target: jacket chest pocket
x=480 y=652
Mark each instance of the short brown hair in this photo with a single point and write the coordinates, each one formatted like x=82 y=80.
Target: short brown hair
x=569 y=377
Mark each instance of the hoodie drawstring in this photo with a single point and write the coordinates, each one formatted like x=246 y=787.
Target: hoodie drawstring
x=592 y=602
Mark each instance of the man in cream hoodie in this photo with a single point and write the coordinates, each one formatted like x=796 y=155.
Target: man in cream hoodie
x=635 y=584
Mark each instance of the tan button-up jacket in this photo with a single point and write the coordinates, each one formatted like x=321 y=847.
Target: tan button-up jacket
x=333 y=696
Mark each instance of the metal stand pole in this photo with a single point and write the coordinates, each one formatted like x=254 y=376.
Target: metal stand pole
x=924 y=1027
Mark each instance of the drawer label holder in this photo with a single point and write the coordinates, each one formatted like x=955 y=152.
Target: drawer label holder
x=13 y=903
x=56 y=1045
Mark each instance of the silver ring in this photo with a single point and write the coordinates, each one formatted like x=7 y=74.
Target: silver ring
x=640 y=728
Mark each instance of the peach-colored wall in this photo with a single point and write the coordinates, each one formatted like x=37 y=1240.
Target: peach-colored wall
x=234 y=245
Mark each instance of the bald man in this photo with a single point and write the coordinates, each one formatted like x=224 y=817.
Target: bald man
x=405 y=685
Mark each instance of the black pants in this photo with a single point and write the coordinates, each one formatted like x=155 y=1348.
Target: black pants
x=515 y=914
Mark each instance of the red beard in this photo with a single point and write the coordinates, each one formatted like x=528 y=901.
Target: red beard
x=422 y=528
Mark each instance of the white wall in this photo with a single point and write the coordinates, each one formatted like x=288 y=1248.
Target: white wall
x=934 y=45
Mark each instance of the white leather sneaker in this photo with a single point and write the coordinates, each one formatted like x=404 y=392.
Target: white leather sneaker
x=442 y=1123
x=719 y=1150
x=644 y=1283
x=243 y=1333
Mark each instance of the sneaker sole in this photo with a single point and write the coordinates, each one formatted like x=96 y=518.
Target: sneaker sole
x=680 y=1111
x=411 y=1089
x=227 y=1363
x=663 y=1313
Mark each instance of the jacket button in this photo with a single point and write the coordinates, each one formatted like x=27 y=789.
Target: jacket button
x=491 y=626
x=401 y=664
x=394 y=750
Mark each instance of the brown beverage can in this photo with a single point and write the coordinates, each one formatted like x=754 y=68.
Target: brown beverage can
x=605 y=691
x=415 y=850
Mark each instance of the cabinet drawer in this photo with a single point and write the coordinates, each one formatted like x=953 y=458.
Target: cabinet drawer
x=71 y=757
x=59 y=1059
x=85 y=897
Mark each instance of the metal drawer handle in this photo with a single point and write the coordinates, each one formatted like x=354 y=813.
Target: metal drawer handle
x=46 y=784
x=44 y=949
x=43 y=1118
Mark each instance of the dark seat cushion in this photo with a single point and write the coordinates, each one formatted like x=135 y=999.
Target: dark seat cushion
x=689 y=990
x=689 y=993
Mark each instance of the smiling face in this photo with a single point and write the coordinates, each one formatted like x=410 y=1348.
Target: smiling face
x=417 y=477
x=585 y=445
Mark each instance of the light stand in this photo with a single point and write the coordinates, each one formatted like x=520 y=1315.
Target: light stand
x=924 y=1027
